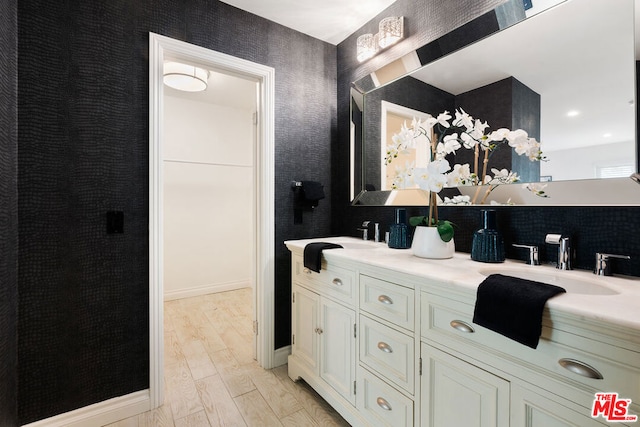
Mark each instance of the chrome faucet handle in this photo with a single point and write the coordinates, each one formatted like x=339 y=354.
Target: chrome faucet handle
x=533 y=253
x=603 y=266
x=564 y=250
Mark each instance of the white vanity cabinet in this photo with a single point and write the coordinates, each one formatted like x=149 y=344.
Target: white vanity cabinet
x=389 y=340
x=457 y=393
x=387 y=344
x=552 y=385
x=324 y=331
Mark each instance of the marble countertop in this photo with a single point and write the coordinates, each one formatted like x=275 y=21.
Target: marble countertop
x=620 y=305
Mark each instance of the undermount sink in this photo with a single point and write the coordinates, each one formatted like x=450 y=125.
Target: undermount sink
x=572 y=284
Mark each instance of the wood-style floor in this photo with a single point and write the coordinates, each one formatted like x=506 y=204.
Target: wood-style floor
x=211 y=378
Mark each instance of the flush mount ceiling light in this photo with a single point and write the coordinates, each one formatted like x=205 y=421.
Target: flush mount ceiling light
x=390 y=31
x=185 y=77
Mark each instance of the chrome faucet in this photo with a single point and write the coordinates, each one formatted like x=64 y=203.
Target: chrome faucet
x=564 y=250
x=365 y=230
x=603 y=264
x=533 y=253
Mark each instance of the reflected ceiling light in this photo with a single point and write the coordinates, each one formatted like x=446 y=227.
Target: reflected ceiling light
x=607 y=135
x=185 y=77
x=390 y=32
x=572 y=113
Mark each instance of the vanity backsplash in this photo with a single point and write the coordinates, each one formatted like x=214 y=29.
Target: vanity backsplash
x=614 y=230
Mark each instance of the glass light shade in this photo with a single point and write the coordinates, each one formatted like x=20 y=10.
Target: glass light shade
x=366 y=47
x=391 y=30
x=185 y=77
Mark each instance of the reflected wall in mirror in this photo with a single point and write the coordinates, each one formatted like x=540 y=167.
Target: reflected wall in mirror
x=568 y=80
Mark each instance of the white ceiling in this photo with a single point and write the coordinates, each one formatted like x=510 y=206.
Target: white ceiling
x=329 y=20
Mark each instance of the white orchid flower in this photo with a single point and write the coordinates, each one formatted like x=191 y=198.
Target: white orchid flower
x=403 y=177
x=533 y=152
x=478 y=129
x=448 y=145
x=460 y=175
x=503 y=176
x=457 y=200
x=536 y=188
x=468 y=141
x=443 y=119
x=464 y=119
x=516 y=137
x=499 y=135
x=432 y=177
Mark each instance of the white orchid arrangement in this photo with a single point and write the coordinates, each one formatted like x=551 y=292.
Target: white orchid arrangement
x=445 y=135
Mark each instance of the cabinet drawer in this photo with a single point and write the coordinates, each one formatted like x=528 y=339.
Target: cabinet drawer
x=388 y=301
x=388 y=352
x=334 y=281
x=445 y=320
x=381 y=404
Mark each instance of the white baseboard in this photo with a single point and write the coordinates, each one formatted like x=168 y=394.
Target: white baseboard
x=206 y=289
x=281 y=356
x=100 y=414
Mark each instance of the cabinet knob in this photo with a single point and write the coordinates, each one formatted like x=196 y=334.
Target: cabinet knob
x=385 y=347
x=382 y=402
x=385 y=299
x=462 y=326
x=580 y=368
x=319 y=331
x=337 y=282
x=306 y=271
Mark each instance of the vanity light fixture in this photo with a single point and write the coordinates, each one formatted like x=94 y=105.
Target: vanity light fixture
x=390 y=32
x=185 y=77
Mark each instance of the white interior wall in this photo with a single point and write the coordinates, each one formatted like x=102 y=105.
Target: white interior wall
x=208 y=205
x=585 y=161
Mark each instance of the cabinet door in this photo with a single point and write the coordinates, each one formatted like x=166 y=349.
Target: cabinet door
x=337 y=344
x=456 y=393
x=305 y=326
x=531 y=409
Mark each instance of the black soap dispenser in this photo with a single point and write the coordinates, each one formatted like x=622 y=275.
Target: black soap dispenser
x=399 y=237
x=487 y=244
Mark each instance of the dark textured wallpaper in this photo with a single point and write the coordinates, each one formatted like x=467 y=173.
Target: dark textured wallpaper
x=83 y=133
x=8 y=212
x=594 y=229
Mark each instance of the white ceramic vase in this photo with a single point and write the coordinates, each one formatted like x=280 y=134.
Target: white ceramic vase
x=428 y=244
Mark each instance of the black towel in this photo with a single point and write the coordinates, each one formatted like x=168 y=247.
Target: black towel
x=513 y=307
x=313 y=252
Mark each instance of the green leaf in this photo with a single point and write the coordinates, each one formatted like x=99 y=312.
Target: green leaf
x=418 y=220
x=445 y=229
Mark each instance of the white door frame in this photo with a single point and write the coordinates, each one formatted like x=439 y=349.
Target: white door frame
x=159 y=47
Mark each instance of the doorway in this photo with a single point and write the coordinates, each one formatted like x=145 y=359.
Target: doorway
x=161 y=49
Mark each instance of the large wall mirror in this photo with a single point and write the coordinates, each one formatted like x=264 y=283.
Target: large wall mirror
x=564 y=71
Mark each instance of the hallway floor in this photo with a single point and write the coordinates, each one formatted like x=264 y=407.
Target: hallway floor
x=211 y=378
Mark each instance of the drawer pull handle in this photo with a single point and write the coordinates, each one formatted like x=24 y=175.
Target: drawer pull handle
x=462 y=326
x=580 y=368
x=337 y=282
x=382 y=402
x=385 y=299
x=385 y=347
x=306 y=270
